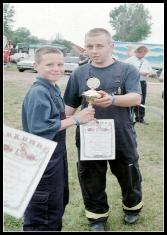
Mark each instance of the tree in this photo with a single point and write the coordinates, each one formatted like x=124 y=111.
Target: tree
x=23 y=35
x=132 y=22
x=8 y=14
x=65 y=43
x=20 y=35
x=35 y=40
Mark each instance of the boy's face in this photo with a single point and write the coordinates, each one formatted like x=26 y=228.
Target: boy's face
x=51 y=67
x=98 y=48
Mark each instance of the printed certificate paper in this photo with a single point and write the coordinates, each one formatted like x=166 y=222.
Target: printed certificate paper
x=25 y=159
x=98 y=140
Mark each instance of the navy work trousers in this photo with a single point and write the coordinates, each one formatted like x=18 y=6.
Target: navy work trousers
x=92 y=178
x=46 y=208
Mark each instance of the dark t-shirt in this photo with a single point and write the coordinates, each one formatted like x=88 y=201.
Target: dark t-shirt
x=112 y=77
x=116 y=78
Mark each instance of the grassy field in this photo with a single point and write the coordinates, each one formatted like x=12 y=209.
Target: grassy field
x=150 y=147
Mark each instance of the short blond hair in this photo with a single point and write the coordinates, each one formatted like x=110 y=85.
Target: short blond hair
x=99 y=31
x=141 y=49
x=45 y=50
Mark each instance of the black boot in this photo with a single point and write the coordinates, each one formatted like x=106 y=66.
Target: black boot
x=131 y=218
x=98 y=226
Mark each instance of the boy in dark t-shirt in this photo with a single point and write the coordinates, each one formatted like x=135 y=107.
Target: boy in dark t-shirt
x=120 y=89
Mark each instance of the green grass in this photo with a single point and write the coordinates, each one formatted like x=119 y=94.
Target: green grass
x=150 y=147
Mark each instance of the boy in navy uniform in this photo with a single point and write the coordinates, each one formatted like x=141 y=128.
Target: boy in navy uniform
x=43 y=114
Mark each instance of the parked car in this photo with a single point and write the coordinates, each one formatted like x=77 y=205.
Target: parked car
x=18 y=57
x=26 y=64
x=70 y=63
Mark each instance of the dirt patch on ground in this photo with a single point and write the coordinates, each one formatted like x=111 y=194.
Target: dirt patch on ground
x=29 y=78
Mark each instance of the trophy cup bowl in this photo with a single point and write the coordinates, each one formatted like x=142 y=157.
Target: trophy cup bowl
x=90 y=96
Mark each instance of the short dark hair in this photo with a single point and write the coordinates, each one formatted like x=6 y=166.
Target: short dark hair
x=98 y=31
x=45 y=50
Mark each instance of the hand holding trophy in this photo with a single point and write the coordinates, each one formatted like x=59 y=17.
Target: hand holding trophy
x=92 y=94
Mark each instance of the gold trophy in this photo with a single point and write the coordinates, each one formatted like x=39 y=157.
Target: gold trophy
x=92 y=94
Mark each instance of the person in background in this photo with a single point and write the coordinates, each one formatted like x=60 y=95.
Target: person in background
x=161 y=79
x=161 y=76
x=43 y=114
x=145 y=69
x=119 y=89
x=83 y=58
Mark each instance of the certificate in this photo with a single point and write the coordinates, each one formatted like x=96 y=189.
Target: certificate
x=25 y=157
x=98 y=140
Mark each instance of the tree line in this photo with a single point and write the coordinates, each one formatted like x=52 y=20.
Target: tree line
x=130 y=21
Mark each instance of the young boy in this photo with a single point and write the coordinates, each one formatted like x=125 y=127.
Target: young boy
x=43 y=114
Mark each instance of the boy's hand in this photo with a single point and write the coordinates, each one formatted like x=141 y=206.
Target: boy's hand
x=104 y=101
x=85 y=115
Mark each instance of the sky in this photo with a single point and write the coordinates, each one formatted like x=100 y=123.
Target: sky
x=72 y=20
